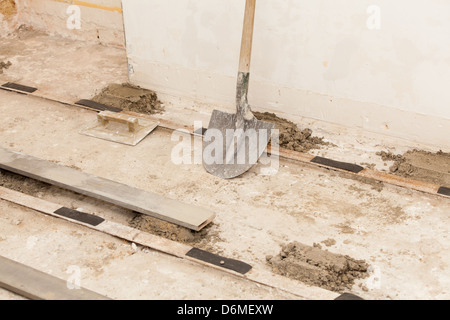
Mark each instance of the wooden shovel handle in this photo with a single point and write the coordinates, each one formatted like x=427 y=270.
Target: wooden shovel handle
x=247 y=36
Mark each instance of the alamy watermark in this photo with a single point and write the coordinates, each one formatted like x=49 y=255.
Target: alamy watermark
x=374 y=280
x=374 y=20
x=73 y=22
x=74 y=280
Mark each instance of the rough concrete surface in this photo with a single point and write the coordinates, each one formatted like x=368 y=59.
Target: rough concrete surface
x=68 y=70
x=401 y=234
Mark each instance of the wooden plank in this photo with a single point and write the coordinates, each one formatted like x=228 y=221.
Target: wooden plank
x=400 y=181
x=143 y=238
x=36 y=285
x=367 y=173
x=115 y=229
x=157 y=206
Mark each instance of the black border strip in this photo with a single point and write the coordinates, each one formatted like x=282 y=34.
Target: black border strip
x=19 y=87
x=339 y=165
x=79 y=216
x=97 y=106
x=235 y=265
x=444 y=190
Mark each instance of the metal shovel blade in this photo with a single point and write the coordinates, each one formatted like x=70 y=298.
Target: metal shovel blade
x=228 y=152
x=233 y=143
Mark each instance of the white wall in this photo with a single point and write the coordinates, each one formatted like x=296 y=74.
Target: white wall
x=315 y=58
x=101 y=20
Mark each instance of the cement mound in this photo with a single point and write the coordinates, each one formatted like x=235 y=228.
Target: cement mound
x=317 y=267
x=128 y=97
x=291 y=137
x=421 y=165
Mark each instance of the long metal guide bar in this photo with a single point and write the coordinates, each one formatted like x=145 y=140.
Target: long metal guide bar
x=37 y=285
x=157 y=206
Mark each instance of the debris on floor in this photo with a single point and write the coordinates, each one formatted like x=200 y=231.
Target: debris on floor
x=318 y=267
x=203 y=239
x=291 y=137
x=420 y=165
x=129 y=97
x=4 y=66
x=22 y=184
x=329 y=242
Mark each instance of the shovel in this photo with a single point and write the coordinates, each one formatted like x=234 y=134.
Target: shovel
x=233 y=143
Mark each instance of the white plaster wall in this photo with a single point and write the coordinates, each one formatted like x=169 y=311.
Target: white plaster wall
x=315 y=59
x=100 y=21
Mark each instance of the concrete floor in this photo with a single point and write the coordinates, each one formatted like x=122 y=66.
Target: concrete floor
x=403 y=234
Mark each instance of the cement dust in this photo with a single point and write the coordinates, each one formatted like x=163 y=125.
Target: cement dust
x=376 y=185
x=128 y=97
x=317 y=267
x=291 y=137
x=421 y=165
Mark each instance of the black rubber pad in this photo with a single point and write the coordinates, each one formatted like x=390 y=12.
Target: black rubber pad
x=19 y=87
x=219 y=261
x=444 y=190
x=79 y=216
x=348 y=296
x=200 y=131
x=97 y=106
x=339 y=165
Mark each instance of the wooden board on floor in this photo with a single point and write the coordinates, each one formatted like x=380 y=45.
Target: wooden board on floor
x=282 y=153
x=36 y=285
x=157 y=206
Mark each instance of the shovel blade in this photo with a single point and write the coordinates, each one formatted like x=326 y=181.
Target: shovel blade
x=228 y=152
